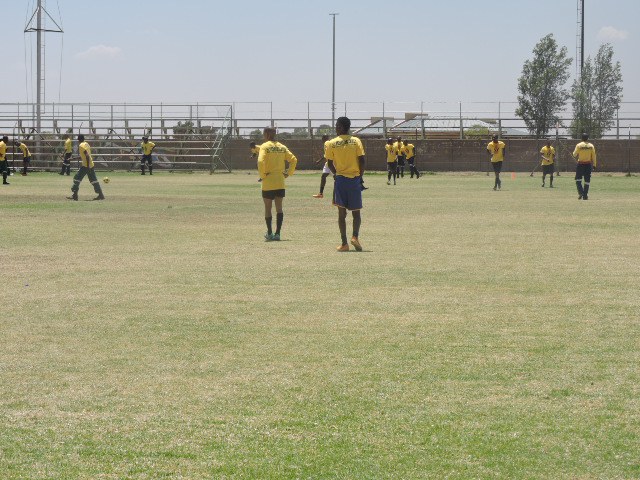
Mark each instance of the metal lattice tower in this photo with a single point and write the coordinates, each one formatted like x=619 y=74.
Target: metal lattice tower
x=580 y=39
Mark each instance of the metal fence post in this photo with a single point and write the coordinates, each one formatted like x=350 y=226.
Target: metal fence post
x=461 y=127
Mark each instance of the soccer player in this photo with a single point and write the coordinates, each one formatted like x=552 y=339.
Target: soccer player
x=325 y=169
x=4 y=164
x=548 y=159
x=66 y=162
x=26 y=156
x=410 y=152
x=147 y=149
x=86 y=168
x=585 y=154
x=392 y=161
x=255 y=151
x=496 y=150
x=273 y=170
x=401 y=158
x=345 y=158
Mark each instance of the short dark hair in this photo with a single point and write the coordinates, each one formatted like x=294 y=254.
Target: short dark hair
x=585 y=136
x=389 y=140
x=344 y=122
x=325 y=138
x=252 y=144
x=145 y=138
x=81 y=138
x=495 y=137
x=5 y=139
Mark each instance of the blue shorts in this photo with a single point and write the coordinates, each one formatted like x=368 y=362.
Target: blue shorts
x=347 y=193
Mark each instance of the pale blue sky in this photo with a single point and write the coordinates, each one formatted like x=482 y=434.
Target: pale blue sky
x=280 y=50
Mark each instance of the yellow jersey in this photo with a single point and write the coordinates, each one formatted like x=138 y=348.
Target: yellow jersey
x=68 y=146
x=548 y=155
x=25 y=150
x=399 y=149
x=271 y=164
x=409 y=150
x=585 y=152
x=85 y=154
x=3 y=151
x=345 y=152
x=392 y=153
x=147 y=148
x=497 y=151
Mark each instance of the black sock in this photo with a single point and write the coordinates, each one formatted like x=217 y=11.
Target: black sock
x=551 y=180
x=268 y=220
x=279 y=219
x=388 y=176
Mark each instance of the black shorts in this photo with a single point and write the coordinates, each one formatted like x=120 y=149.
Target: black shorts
x=26 y=159
x=411 y=161
x=401 y=161
x=147 y=159
x=548 y=169
x=497 y=166
x=67 y=157
x=4 y=166
x=273 y=194
x=392 y=166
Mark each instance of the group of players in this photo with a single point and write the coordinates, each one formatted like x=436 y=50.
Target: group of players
x=399 y=153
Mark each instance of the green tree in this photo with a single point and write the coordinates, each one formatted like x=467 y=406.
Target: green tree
x=597 y=94
x=477 y=132
x=542 y=93
x=324 y=130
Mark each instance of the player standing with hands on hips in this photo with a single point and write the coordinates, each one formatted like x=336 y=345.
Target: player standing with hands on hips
x=273 y=170
x=496 y=149
x=147 y=150
x=345 y=159
x=585 y=154
x=548 y=158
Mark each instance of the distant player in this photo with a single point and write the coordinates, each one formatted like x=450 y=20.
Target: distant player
x=4 y=164
x=401 y=157
x=255 y=151
x=410 y=153
x=325 y=169
x=585 y=154
x=26 y=156
x=496 y=150
x=392 y=161
x=345 y=158
x=147 y=150
x=272 y=166
x=86 y=168
x=548 y=161
x=66 y=162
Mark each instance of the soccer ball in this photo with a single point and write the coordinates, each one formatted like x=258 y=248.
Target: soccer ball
x=106 y=180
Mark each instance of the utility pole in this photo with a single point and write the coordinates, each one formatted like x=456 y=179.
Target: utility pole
x=333 y=88
x=40 y=30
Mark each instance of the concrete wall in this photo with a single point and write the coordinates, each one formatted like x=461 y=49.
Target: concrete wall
x=459 y=155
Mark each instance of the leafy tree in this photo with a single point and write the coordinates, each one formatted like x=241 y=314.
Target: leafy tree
x=477 y=132
x=324 y=129
x=541 y=86
x=597 y=94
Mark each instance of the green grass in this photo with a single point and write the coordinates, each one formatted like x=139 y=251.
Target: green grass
x=480 y=335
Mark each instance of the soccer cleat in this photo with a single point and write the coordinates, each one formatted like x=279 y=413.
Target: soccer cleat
x=356 y=243
x=542 y=184
x=495 y=188
x=388 y=183
x=268 y=237
x=585 y=197
x=73 y=197
x=276 y=237
x=99 y=197
x=343 y=248
x=318 y=195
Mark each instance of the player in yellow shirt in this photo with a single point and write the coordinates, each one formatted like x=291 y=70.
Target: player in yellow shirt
x=255 y=151
x=585 y=154
x=86 y=168
x=399 y=146
x=26 y=156
x=548 y=161
x=410 y=154
x=345 y=159
x=4 y=164
x=496 y=150
x=147 y=148
x=66 y=161
x=272 y=167
x=392 y=161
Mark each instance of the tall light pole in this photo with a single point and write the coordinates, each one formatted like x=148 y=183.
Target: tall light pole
x=333 y=87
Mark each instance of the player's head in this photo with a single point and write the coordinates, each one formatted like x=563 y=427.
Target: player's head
x=81 y=138
x=252 y=145
x=16 y=143
x=494 y=138
x=145 y=139
x=325 y=138
x=405 y=142
x=389 y=141
x=548 y=141
x=585 y=136
x=343 y=125
x=5 y=139
x=399 y=139
x=269 y=133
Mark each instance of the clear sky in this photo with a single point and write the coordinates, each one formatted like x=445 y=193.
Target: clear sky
x=280 y=50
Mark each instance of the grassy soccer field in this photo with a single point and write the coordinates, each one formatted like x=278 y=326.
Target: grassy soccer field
x=481 y=334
